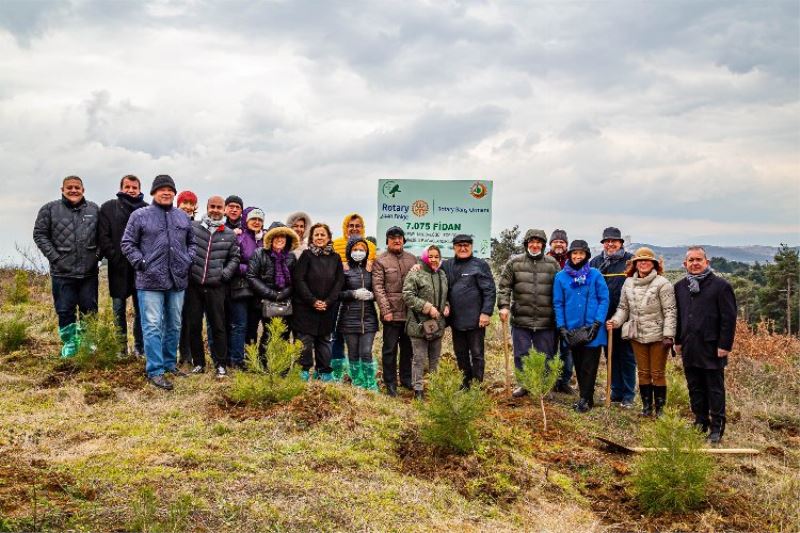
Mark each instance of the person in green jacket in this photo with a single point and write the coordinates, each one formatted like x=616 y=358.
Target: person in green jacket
x=425 y=294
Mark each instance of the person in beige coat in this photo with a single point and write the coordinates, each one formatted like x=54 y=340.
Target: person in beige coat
x=647 y=315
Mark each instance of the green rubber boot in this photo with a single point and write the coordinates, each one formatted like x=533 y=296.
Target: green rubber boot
x=326 y=377
x=368 y=375
x=338 y=369
x=70 y=340
x=304 y=375
x=356 y=375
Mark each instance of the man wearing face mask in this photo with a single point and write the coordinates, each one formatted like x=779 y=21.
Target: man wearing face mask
x=612 y=263
x=66 y=233
x=525 y=292
x=215 y=263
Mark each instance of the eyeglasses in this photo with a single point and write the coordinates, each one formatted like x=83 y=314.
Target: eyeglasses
x=463 y=244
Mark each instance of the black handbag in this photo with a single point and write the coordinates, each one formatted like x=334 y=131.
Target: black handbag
x=270 y=309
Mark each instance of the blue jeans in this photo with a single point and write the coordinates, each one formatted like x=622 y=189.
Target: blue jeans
x=120 y=306
x=623 y=370
x=161 y=329
x=72 y=293
x=569 y=364
x=523 y=339
x=237 y=318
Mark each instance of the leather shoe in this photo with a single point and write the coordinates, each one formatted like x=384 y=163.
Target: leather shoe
x=391 y=390
x=564 y=388
x=583 y=406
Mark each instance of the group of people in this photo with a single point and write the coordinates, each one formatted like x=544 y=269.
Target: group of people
x=335 y=295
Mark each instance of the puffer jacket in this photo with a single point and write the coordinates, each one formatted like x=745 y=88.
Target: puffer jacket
x=471 y=291
x=648 y=307
x=216 y=257
x=66 y=234
x=526 y=286
x=356 y=316
x=583 y=305
x=613 y=271
x=290 y=220
x=421 y=288
x=159 y=243
x=249 y=242
x=261 y=270
x=388 y=274
x=340 y=244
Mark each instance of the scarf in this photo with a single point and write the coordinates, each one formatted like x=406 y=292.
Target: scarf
x=426 y=259
x=131 y=203
x=561 y=258
x=209 y=223
x=578 y=275
x=695 y=279
x=608 y=259
x=282 y=276
x=324 y=250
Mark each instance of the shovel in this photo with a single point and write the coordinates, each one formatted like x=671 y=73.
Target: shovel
x=616 y=447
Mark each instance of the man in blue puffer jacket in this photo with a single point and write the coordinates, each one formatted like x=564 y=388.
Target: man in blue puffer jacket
x=159 y=244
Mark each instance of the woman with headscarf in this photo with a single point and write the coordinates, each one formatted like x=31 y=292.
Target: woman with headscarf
x=270 y=274
x=317 y=281
x=580 y=301
x=425 y=294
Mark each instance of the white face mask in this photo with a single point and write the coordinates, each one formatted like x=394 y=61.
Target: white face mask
x=358 y=255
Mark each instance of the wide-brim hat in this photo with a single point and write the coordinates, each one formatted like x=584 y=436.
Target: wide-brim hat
x=582 y=245
x=612 y=233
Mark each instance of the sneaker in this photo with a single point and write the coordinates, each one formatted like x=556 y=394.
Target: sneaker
x=582 y=406
x=198 y=370
x=626 y=404
x=161 y=382
x=715 y=436
x=221 y=372
x=178 y=373
x=519 y=392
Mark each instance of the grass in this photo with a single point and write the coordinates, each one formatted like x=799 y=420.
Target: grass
x=336 y=458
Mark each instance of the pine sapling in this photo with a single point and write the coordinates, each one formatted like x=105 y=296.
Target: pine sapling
x=538 y=376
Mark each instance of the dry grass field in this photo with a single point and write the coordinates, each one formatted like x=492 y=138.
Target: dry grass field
x=104 y=451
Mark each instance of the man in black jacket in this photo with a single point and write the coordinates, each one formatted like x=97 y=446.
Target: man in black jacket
x=704 y=339
x=471 y=293
x=66 y=233
x=114 y=215
x=215 y=262
x=612 y=264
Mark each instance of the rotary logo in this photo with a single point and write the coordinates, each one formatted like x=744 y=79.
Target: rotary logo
x=478 y=190
x=420 y=208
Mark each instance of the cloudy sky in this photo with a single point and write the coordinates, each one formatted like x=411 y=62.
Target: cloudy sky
x=678 y=121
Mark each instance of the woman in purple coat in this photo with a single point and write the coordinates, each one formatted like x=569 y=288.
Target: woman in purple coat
x=245 y=314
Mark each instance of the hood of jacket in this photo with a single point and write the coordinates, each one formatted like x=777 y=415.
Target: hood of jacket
x=347 y=220
x=297 y=215
x=352 y=241
x=276 y=229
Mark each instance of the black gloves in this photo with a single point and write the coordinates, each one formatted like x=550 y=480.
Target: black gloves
x=594 y=329
x=283 y=294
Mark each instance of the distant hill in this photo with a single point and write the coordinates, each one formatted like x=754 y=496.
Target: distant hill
x=673 y=255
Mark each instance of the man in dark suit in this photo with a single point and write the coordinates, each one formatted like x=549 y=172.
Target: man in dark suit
x=704 y=339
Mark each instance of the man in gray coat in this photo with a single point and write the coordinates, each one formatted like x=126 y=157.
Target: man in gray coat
x=525 y=293
x=66 y=233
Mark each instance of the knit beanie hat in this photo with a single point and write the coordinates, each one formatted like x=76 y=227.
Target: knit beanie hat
x=233 y=199
x=256 y=213
x=559 y=235
x=187 y=196
x=162 y=180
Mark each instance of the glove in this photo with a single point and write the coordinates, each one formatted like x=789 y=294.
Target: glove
x=283 y=294
x=358 y=294
x=593 y=331
x=667 y=343
x=368 y=295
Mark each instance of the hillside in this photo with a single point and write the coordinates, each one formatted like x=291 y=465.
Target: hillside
x=673 y=255
x=104 y=451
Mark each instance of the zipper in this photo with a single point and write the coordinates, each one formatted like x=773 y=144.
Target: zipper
x=363 y=304
x=208 y=254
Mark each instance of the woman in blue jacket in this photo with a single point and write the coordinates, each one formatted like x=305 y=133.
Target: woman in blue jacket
x=580 y=299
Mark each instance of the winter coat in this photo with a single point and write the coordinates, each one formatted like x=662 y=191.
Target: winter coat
x=471 y=291
x=159 y=244
x=248 y=244
x=584 y=305
x=706 y=322
x=316 y=277
x=421 y=289
x=114 y=215
x=647 y=306
x=356 y=316
x=290 y=220
x=614 y=274
x=526 y=286
x=261 y=271
x=216 y=257
x=66 y=234
x=340 y=244
x=389 y=272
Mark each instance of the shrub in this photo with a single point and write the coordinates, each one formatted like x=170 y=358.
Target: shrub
x=676 y=476
x=100 y=345
x=275 y=380
x=20 y=292
x=13 y=334
x=450 y=415
x=538 y=376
